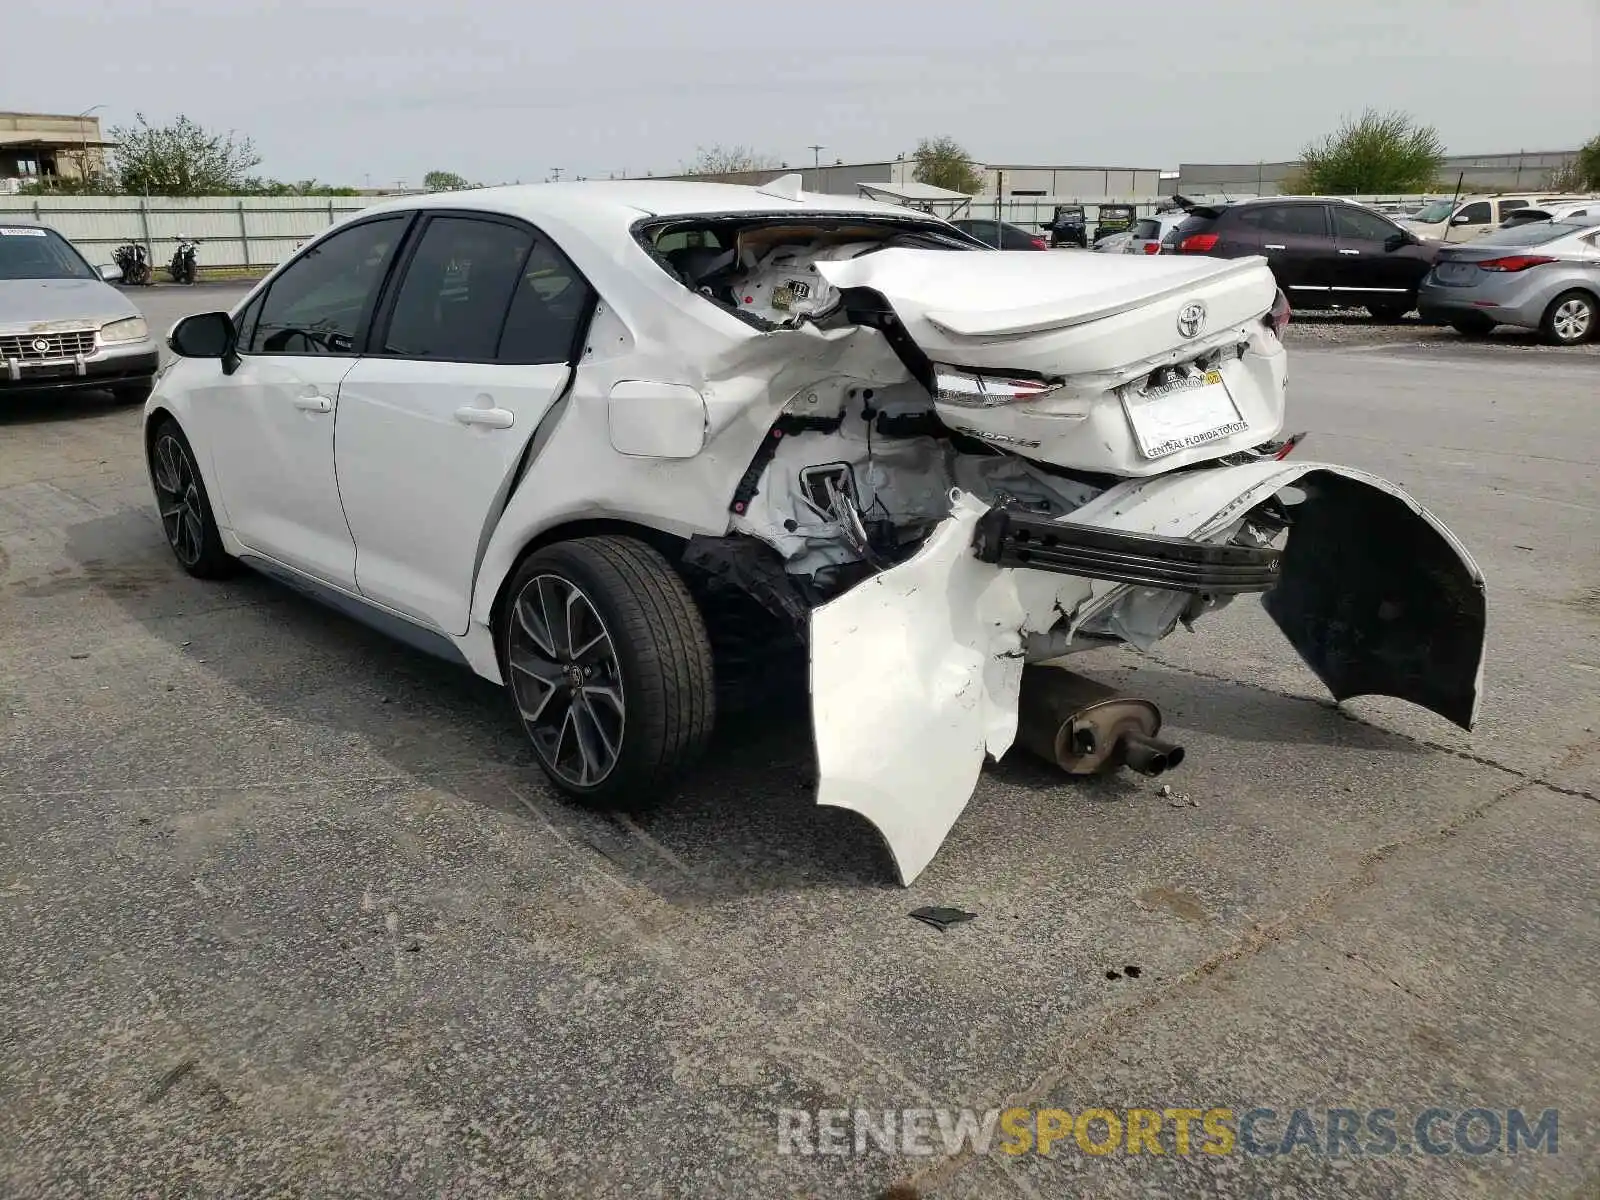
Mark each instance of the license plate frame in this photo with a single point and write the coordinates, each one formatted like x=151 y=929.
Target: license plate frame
x=1195 y=410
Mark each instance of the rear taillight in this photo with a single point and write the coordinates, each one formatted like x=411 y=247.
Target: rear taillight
x=1515 y=262
x=964 y=389
x=1278 y=317
x=1198 y=243
x=1040 y=244
x=1152 y=247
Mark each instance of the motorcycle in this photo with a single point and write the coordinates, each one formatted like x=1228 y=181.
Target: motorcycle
x=133 y=262
x=183 y=268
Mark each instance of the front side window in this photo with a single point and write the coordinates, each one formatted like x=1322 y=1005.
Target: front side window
x=1356 y=225
x=456 y=290
x=30 y=252
x=319 y=303
x=1474 y=214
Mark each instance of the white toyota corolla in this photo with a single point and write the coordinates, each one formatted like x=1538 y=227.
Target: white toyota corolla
x=603 y=442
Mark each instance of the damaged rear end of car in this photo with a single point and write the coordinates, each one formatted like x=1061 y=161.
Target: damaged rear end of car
x=976 y=462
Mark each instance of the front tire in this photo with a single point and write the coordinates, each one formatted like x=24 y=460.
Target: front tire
x=608 y=667
x=132 y=393
x=185 y=509
x=1570 y=320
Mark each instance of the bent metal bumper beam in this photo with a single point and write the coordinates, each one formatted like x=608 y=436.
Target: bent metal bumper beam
x=916 y=671
x=1008 y=538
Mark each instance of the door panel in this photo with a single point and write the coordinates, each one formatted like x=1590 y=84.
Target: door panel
x=475 y=349
x=1370 y=269
x=271 y=423
x=425 y=457
x=1294 y=238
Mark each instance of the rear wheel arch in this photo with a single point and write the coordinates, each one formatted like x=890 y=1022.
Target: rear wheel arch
x=669 y=546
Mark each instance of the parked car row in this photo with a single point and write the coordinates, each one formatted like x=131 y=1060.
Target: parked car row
x=1328 y=252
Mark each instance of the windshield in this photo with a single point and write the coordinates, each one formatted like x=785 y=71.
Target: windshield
x=27 y=252
x=1439 y=210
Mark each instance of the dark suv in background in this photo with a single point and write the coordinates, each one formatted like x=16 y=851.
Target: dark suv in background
x=1324 y=251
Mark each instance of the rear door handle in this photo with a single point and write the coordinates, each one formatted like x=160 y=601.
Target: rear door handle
x=316 y=403
x=494 y=418
x=1349 y=252
x=1269 y=246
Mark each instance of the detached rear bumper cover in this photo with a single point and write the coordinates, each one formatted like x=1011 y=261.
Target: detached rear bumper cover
x=915 y=673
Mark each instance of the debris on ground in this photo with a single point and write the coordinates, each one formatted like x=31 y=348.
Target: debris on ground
x=941 y=918
x=1177 y=799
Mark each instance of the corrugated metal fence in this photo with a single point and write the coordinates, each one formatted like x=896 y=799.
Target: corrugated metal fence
x=245 y=231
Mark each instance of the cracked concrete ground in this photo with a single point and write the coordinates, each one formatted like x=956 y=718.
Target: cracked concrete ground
x=289 y=912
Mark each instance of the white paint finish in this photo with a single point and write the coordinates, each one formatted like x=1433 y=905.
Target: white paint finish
x=930 y=648
x=267 y=433
x=420 y=483
x=914 y=678
x=656 y=420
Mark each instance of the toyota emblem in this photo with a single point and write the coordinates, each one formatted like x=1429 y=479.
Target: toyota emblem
x=41 y=344
x=1191 y=318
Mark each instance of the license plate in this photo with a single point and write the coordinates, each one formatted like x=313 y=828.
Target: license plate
x=1456 y=272
x=1190 y=411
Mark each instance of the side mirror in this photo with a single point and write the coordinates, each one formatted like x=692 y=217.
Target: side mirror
x=1398 y=239
x=1461 y=219
x=111 y=274
x=205 y=335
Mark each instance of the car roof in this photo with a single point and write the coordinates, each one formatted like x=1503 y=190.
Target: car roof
x=621 y=202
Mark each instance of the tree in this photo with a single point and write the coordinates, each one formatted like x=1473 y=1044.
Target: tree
x=941 y=162
x=444 y=181
x=1373 y=153
x=1582 y=174
x=721 y=162
x=181 y=159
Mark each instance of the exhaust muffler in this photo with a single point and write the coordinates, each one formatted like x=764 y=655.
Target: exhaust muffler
x=1086 y=727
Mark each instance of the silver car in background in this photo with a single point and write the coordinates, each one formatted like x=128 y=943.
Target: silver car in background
x=1149 y=232
x=1541 y=275
x=62 y=326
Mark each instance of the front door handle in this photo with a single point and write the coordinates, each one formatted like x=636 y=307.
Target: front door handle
x=1349 y=252
x=494 y=418
x=316 y=403
x=1269 y=246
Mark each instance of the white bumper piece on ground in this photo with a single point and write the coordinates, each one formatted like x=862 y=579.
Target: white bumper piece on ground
x=915 y=673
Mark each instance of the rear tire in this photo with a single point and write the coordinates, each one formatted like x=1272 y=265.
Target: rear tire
x=1472 y=325
x=608 y=668
x=1570 y=320
x=183 y=505
x=1391 y=311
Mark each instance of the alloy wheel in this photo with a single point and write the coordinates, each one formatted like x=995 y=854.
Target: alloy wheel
x=566 y=680
x=1571 y=320
x=178 y=497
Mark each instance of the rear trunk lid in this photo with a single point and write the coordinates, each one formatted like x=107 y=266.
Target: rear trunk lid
x=1143 y=365
x=1060 y=315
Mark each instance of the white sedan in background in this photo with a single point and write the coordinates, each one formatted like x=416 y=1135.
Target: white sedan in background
x=580 y=436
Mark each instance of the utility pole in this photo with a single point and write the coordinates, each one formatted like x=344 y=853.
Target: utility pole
x=555 y=174
x=816 y=155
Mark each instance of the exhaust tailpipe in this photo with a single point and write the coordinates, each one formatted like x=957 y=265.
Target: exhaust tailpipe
x=1086 y=727
x=1148 y=755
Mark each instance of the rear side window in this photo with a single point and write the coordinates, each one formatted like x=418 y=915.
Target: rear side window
x=456 y=290
x=1303 y=220
x=549 y=310
x=322 y=299
x=1511 y=206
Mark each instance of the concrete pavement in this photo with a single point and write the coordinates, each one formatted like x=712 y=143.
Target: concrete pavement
x=292 y=912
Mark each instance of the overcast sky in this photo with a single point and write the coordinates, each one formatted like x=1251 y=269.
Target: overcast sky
x=339 y=90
